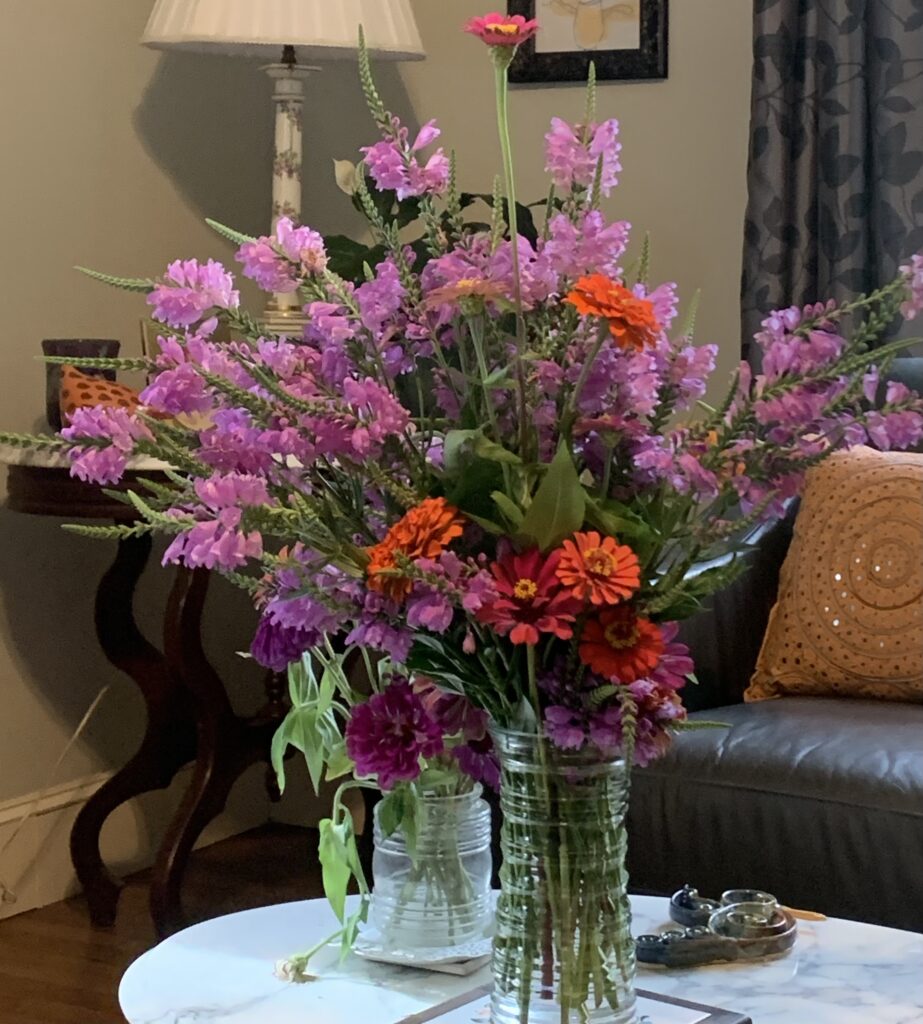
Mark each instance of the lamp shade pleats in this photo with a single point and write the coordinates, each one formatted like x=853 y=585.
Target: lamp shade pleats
x=318 y=29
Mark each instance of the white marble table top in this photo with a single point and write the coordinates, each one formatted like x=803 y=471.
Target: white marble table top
x=840 y=972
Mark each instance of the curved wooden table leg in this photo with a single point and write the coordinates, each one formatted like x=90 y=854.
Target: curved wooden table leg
x=169 y=741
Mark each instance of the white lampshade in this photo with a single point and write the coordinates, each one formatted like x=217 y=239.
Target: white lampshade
x=318 y=29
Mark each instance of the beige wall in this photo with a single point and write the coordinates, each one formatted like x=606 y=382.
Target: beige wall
x=685 y=140
x=112 y=156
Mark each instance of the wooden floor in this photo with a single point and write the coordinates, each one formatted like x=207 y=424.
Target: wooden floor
x=55 y=968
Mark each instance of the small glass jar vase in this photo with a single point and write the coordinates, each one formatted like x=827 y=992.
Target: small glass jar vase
x=439 y=899
x=563 y=951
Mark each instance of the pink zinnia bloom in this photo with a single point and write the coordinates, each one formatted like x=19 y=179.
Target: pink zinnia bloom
x=530 y=599
x=499 y=30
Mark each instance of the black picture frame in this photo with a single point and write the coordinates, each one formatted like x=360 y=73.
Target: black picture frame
x=649 y=62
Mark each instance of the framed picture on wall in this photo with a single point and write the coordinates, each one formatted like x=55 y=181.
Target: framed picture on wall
x=626 y=39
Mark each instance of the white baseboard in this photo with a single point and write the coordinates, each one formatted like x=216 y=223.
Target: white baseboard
x=37 y=866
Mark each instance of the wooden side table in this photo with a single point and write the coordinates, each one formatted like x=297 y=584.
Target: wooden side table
x=189 y=715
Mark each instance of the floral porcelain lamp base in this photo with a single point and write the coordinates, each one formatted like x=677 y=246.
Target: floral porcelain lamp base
x=283 y=314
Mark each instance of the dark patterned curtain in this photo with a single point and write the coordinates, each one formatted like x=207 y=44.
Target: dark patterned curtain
x=836 y=151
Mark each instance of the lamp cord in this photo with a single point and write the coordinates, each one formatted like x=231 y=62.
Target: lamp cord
x=7 y=895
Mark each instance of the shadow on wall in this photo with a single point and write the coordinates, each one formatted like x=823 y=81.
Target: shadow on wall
x=207 y=122
x=52 y=647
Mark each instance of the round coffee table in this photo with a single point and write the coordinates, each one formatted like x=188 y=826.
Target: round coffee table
x=839 y=972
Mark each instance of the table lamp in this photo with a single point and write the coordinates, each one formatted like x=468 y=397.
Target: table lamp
x=290 y=31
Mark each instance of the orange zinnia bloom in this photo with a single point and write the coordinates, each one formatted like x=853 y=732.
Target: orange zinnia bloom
x=631 y=320
x=599 y=569
x=423 y=532
x=620 y=645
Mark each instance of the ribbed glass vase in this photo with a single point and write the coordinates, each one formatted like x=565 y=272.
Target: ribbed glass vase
x=563 y=952
x=440 y=899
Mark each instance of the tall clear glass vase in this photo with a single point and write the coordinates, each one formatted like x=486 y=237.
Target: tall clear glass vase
x=440 y=898
x=563 y=951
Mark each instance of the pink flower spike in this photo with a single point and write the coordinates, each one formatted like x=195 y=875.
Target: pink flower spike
x=499 y=30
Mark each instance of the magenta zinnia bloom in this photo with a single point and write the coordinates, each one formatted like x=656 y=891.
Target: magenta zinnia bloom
x=388 y=735
x=530 y=600
x=499 y=30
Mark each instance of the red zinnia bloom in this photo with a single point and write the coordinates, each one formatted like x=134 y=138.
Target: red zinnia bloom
x=620 y=645
x=599 y=569
x=499 y=30
x=530 y=600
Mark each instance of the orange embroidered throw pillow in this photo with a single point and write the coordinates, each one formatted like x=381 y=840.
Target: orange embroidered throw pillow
x=849 y=616
x=80 y=389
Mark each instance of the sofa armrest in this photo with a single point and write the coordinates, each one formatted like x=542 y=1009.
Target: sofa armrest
x=725 y=638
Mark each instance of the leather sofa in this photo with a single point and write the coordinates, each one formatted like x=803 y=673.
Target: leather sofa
x=817 y=800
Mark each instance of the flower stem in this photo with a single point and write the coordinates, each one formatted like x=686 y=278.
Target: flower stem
x=501 y=65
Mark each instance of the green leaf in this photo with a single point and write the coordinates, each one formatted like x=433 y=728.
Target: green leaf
x=499 y=378
x=391 y=811
x=453 y=447
x=559 y=504
x=334 y=858
x=235 y=236
x=299 y=729
x=351 y=930
x=473 y=485
x=509 y=508
x=277 y=750
x=433 y=778
x=128 y=284
x=339 y=763
x=622 y=522
x=687 y=329
x=298 y=687
x=487 y=449
x=487 y=524
x=411 y=822
x=346 y=258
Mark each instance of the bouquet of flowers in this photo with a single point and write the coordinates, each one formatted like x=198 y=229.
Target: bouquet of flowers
x=489 y=461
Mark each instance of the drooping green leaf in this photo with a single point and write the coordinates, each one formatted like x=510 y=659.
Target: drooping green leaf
x=334 y=858
x=301 y=732
x=278 y=747
x=339 y=763
x=559 y=505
